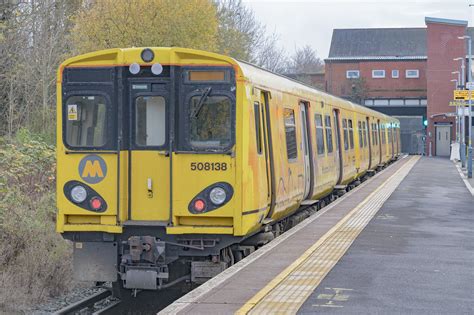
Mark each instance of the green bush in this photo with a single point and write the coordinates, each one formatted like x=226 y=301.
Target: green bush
x=35 y=262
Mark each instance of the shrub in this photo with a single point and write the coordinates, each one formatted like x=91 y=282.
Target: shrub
x=35 y=262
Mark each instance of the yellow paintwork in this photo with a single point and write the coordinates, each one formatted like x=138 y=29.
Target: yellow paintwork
x=247 y=169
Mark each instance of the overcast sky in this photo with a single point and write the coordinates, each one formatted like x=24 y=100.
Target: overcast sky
x=312 y=21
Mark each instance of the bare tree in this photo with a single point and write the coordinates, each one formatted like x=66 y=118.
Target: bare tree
x=243 y=37
x=305 y=61
x=271 y=56
x=34 y=44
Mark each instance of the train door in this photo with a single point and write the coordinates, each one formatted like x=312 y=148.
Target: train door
x=369 y=140
x=268 y=149
x=338 y=150
x=390 y=138
x=148 y=186
x=306 y=149
x=262 y=155
x=379 y=136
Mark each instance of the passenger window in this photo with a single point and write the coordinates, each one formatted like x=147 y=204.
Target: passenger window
x=328 y=133
x=365 y=132
x=376 y=134
x=383 y=134
x=361 y=139
x=351 y=134
x=256 y=108
x=319 y=133
x=346 y=134
x=150 y=120
x=86 y=124
x=290 y=133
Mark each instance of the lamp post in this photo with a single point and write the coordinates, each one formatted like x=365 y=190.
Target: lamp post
x=462 y=119
x=456 y=87
x=469 y=75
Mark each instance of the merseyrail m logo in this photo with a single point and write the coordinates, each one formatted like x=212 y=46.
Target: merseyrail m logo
x=92 y=169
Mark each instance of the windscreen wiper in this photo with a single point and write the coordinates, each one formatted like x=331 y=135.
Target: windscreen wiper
x=199 y=105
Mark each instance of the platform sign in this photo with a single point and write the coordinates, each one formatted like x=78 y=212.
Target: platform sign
x=462 y=95
x=470 y=85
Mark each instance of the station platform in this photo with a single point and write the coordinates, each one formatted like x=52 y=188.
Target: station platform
x=403 y=242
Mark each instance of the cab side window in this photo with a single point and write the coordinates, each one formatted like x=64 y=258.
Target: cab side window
x=256 y=108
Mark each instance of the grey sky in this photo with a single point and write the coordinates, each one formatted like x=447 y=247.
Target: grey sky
x=312 y=21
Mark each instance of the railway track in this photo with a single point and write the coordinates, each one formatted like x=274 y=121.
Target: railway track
x=88 y=305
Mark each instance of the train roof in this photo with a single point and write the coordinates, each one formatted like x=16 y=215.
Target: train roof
x=177 y=55
x=266 y=78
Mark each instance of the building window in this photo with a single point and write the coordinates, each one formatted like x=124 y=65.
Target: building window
x=396 y=102
x=381 y=102
x=290 y=132
x=395 y=74
x=412 y=74
x=377 y=74
x=352 y=74
x=412 y=102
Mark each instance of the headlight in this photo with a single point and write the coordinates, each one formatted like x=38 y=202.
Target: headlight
x=78 y=194
x=147 y=55
x=217 y=196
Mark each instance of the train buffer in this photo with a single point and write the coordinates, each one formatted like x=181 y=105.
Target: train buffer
x=400 y=243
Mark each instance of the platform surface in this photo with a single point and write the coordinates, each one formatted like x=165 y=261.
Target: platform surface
x=401 y=243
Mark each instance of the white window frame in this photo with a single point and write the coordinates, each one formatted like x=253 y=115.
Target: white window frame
x=412 y=76
x=374 y=76
x=395 y=76
x=352 y=77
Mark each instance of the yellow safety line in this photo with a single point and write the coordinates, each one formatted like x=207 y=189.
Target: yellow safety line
x=330 y=261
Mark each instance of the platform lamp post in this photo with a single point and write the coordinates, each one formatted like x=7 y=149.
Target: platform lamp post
x=456 y=87
x=458 y=119
x=469 y=80
x=462 y=122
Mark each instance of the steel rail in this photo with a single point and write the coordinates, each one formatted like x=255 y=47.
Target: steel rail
x=87 y=302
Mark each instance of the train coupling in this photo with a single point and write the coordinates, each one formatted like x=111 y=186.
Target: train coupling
x=143 y=265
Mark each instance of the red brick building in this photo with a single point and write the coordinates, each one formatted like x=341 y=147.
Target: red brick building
x=403 y=72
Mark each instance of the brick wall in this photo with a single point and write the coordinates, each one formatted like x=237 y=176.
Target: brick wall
x=388 y=87
x=443 y=46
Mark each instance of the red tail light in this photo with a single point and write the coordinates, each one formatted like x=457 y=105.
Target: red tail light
x=199 y=205
x=96 y=203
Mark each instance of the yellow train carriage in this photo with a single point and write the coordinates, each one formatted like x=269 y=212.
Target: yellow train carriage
x=172 y=155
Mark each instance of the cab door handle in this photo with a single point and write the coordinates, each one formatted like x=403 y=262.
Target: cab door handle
x=149 y=186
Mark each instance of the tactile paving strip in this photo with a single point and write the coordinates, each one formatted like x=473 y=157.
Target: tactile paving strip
x=289 y=290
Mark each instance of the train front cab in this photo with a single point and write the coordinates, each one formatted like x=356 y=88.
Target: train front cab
x=147 y=161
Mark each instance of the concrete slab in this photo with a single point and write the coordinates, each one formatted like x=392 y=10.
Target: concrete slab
x=415 y=257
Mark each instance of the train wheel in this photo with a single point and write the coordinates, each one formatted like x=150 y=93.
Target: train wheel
x=119 y=292
x=238 y=255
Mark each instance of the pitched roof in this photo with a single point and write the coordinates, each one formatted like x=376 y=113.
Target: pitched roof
x=378 y=43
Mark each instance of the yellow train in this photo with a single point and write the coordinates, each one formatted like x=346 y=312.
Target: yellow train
x=174 y=163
